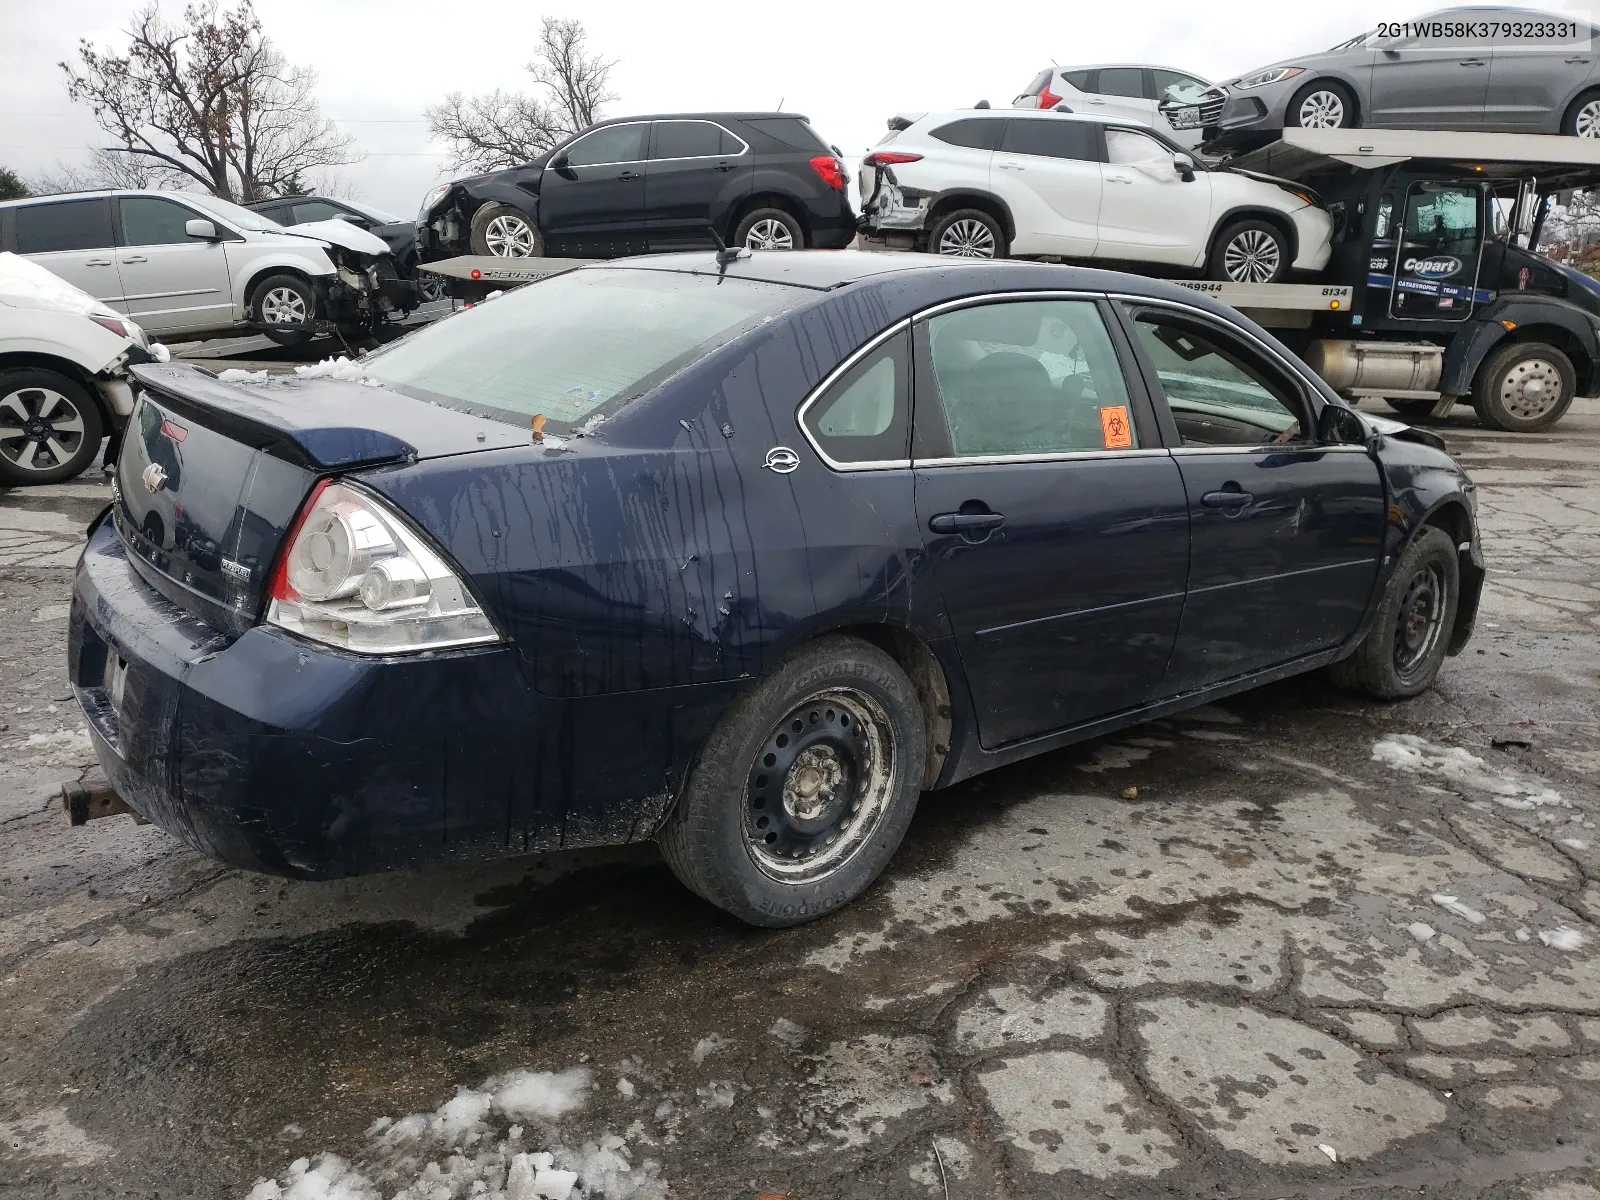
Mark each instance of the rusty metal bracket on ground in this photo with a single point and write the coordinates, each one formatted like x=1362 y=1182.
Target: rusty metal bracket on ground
x=86 y=802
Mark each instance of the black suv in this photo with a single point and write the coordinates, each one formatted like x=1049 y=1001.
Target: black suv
x=640 y=184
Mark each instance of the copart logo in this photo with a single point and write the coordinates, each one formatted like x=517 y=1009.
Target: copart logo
x=1432 y=268
x=782 y=460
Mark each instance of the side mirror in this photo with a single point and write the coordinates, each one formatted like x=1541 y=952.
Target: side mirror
x=1184 y=165
x=206 y=231
x=558 y=163
x=1341 y=426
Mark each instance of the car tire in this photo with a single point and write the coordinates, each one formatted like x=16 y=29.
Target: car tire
x=967 y=233
x=1322 y=104
x=1249 y=251
x=1401 y=654
x=1582 y=118
x=286 y=300
x=501 y=231
x=50 y=426
x=804 y=789
x=769 y=229
x=1524 y=387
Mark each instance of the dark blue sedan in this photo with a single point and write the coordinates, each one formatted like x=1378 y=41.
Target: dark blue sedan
x=741 y=556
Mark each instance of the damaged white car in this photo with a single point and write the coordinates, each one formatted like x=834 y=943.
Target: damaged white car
x=990 y=183
x=64 y=386
x=185 y=263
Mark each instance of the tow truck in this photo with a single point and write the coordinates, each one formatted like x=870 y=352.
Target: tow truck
x=1433 y=295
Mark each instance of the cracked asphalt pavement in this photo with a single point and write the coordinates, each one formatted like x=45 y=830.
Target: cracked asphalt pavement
x=1297 y=944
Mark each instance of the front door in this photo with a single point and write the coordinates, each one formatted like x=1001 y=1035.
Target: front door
x=1429 y=83
x=592 y=195
x=170 y=280
x=1285 y=533
x=1440 y=242
x=1058 y=533
x=698 y=171
x=1048 y=171
x=73 y=239
x=1148 y=211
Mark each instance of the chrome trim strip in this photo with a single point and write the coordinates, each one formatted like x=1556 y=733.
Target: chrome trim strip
x=1270 y=448
x=986 y=460
x=971 y=301
x=1368 y=563
x=828 y=381
x=620 y=162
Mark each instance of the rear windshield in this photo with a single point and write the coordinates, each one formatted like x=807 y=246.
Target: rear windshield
x=574 y=346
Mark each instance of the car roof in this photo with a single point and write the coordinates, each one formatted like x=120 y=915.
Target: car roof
x=701 y=116
x=1062 y=70
x=1026 y=114
x=101 y=194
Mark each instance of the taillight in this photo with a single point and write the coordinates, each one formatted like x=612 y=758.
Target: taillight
x=353 y=575
x=830 y=169
x=889 y=158
x=1047 y=98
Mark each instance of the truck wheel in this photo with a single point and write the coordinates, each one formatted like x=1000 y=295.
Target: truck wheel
x=284 y=300
x=1411 y=410
x=50 y=426
x=1322 y=105
x=1249 y=251
x=1524 y=387
x=804 y=789
x=1583 y=117
x=769 y=229
x=967 y=233
x=505 y=232
x=1402 y=652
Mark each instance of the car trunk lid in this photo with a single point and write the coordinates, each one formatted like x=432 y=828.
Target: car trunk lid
x=211 y=473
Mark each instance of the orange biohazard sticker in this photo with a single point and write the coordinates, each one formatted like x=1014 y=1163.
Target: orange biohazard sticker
x=1114 y=428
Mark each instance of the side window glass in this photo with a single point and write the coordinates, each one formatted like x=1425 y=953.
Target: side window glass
x=1082 y=80
x=1219 y=395
x=1051 y=137
x=1174 y=88
x=1030 y=377
x=687 y=139
x=864 y=417
x=973 y=134
x=1126 y=148
x=147 y=221
x=66 y=225
x=316 y=210
x=614 y=144
x=1122 y=81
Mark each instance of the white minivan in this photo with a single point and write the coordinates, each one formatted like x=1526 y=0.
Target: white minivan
x=987 y=183
x=187 y=263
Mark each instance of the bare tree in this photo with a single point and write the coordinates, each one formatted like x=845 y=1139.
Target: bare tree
x=501 y=129
x=211 y=100
x=107 y=169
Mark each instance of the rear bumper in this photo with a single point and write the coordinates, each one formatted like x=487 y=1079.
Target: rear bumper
x=271 y=754
x=832 y=224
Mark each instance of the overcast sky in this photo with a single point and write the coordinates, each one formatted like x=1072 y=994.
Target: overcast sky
x=847 y=67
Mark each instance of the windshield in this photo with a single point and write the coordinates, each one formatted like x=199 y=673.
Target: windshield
x=573 y=346
x=239 y=218
x=367 y=210
x=1350 y=43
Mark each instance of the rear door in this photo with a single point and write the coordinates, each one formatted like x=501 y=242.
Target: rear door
x=1531 y=78
x=1058 y=528
x=73 y=239
x=1285 y=533
x=1148 y=211
x=170 y=280
x=1047 y=170
x=592 y=195
x=697 y=169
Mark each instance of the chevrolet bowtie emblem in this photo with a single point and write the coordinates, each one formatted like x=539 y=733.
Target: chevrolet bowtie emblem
x=153 y=477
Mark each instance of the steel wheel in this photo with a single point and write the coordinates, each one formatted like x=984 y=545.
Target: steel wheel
x=769 y=233
x=819 y=786
x=40 y=429
x=967 y=238
x=1531 y=388
x=1586 y=122
x=509 y=236
x=1420 y=622
x=284 y=306
x=1252 y=256
x=1321 y=109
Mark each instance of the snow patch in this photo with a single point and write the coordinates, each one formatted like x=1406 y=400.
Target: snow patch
x=63 y=748
x=1570 y=843
x=160 y=353
x=1417 y=755
x=235 y=375
x=1115 y=757
x=708 y=1046
x=1451 y=904
x=787 y=1032
x=331 y=368
x=1562 y=938
x=1421 y=930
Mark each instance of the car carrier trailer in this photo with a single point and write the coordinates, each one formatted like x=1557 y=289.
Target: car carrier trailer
x=1433 y=295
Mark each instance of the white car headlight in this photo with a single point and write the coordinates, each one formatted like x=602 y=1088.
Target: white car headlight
x=354 y=575
x=1274 y=75
x=433 y=197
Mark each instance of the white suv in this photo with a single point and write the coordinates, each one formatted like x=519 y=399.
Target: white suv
x=990 y=183
x=179 y=262
x=1177 y=103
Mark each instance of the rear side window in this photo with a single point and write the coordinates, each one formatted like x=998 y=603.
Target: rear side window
x=1052 y=138
x=148 y=221
x=1082 y=80
x=865 y=415
x=793 y=132
x=973 y=134
x=575 y=346
x=67 y=225
x=1122 y=81
x=692 y=139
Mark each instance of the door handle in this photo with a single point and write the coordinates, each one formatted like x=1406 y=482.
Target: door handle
x=1093 y=100
x=1231 y=496
x=1577 y=58
x=1118 y=179
x=1474 y=62
x=97 y=262
x=136 y=258
x=627 y=175
x=966 y=523
x=1011 y=166
x=724 y=167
